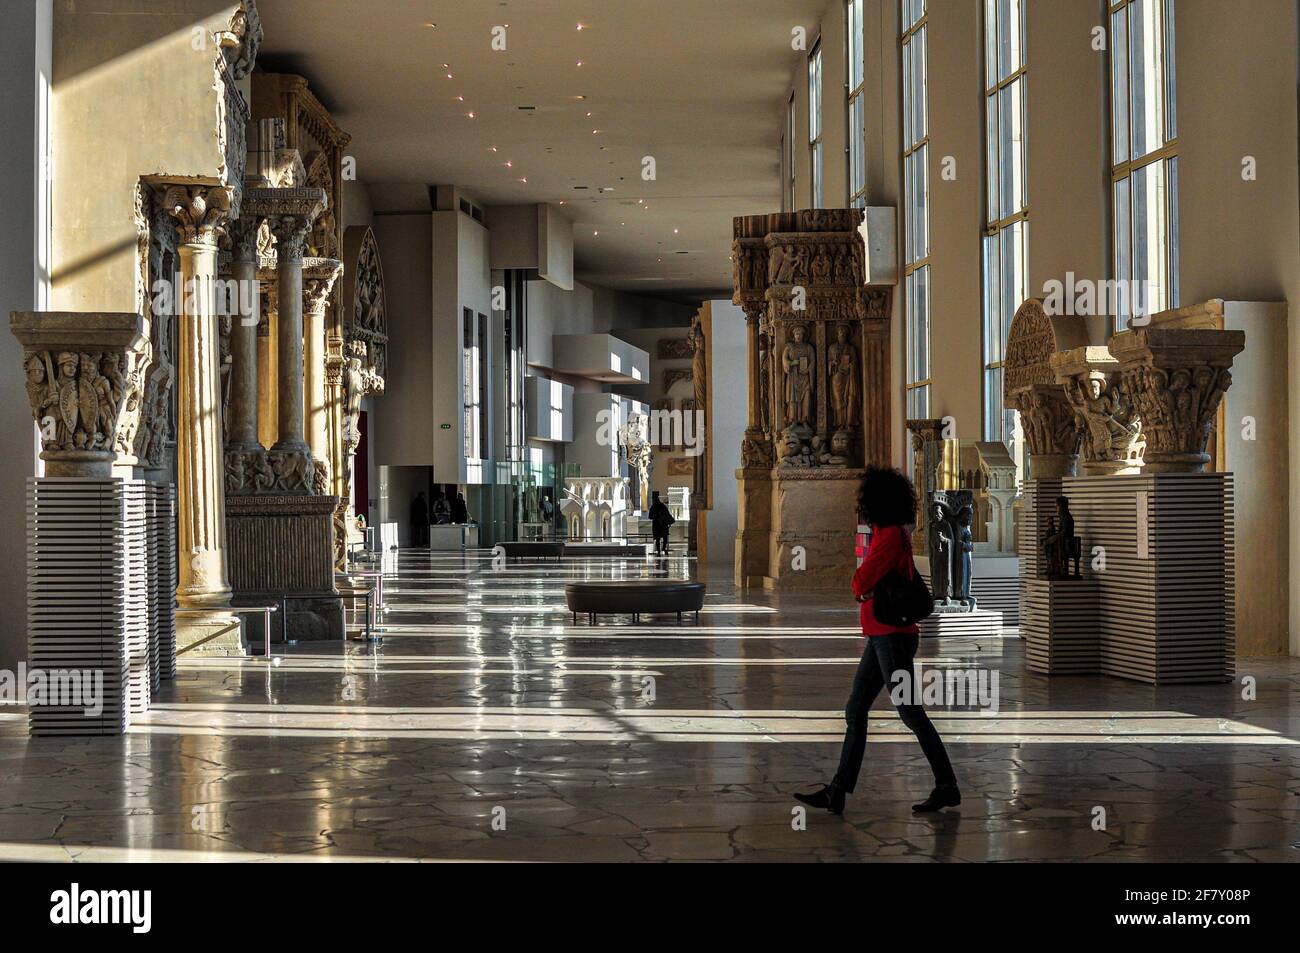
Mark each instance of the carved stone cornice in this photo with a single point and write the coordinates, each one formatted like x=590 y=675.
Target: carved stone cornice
x=85 y=383
x=199 y=212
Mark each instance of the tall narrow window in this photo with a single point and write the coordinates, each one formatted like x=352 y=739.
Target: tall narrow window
x=916 y=216
x=815 y=123
x=469 y=385
x=790 y=139
x=857 y=112
x=1144 y=158
x=1006 y=216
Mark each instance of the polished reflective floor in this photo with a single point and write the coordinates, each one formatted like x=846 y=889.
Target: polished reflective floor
x=487 y=726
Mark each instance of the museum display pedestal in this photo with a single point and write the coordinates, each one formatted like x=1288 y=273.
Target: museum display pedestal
x=1059 y=624
x=812 y=535
x=453 y=536
x=1156 y=601
x=282 y=548
x=995 y=583
x=984 y=623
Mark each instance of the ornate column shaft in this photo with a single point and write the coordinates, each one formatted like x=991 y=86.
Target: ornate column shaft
x=200 y=498
x=290 y=235
x=242 y=406
x=318 y=281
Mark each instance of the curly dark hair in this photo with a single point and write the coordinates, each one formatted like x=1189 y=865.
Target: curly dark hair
x=886 y=498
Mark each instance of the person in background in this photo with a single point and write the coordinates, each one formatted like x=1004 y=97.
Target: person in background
x=420 y=520
x=459 y=511
x=441 y=510
x=887 y=501
x=660 y=520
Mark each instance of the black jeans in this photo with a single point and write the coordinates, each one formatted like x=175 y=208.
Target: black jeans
x=883 y=656
x=661 y=543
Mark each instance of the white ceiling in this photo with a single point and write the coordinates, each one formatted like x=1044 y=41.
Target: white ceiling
x=699 y=85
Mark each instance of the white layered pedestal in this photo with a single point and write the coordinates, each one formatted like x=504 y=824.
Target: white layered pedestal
x=100 y=601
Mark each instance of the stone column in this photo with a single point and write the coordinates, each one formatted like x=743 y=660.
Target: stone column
x=198 y=211
x=290 y=236
x=319 y=276
x=242 y=405
x=268 y=416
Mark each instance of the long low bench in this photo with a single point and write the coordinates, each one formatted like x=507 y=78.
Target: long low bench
x=635 y=596
x=535 y=549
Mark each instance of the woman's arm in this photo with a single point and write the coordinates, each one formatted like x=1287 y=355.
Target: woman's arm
x=882 y=556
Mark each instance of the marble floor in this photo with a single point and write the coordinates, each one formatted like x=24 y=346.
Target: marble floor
x=486 y=726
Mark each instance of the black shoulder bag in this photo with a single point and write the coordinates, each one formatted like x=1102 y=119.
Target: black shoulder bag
x=902 y=599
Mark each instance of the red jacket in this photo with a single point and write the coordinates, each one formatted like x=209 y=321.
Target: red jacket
x=891 y=548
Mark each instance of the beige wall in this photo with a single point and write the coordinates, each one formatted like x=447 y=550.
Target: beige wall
x=1239 y=240
x=132 y=97
x=956 y=216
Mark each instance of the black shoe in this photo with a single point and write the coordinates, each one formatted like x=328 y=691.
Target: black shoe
x=945 y=795
x=830 y=797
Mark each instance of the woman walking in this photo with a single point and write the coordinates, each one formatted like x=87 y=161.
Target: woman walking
x=887 y=502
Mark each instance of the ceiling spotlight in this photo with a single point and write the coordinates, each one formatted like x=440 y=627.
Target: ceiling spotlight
x=449 y=76
x=432 y=26
x=580 y=26
x=674 y=231
x=470 y=114
x=595 y=234
x=595 y=132
x=460 y=99
x=508 y=164
x=446 y=66
x=524 y=180
x=579 y=62
x=493 y=148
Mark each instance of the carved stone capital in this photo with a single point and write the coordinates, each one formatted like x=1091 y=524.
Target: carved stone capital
x=1107 y=423
x=241 y=40
x=1051 y=429
x=318 y=278
x=199 y=212
x=1174 y=372
x=244 y=233
x=86 y=386
x=289 y=213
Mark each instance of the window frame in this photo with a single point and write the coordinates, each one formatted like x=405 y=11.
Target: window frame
x=816 y=168
x=1126 y=169
x=915 y=270
x=855 y=103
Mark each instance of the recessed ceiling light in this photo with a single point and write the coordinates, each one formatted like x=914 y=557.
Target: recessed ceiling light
x=595 y=132
x=460 y=99
x=524 y=180
x=446 y=66
x=432 y=26
x=674 y=231
x=579 y=62
x=509 y=165
x=449 y=76
x=580 y=26
x=470 y=114
x=493 y=148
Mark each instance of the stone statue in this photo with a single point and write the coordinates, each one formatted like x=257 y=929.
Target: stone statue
x=940 y=546
x=797 y=361
x=965 y=545
x=840 y=450
x=1060 y=544
x=845 y=397
x=792 y=452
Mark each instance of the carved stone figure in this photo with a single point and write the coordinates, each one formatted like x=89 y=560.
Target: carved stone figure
x=792 y=452
x=1060 y=545
x=940 y=551
x=845 y=396
x=797 y=361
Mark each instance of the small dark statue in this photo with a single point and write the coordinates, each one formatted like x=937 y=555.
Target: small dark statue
x=950 y=547
x=1060 y=545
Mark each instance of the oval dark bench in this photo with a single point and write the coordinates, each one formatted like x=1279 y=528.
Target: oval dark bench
x=636 y=596
x=537 y=549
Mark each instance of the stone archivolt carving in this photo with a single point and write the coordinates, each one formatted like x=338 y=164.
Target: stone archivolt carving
x=324 y=241
x=675 y=349
x=241 y=40
x=86 y=386
x=1029 y=386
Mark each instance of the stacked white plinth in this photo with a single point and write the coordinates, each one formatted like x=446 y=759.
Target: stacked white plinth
x=95 y=609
